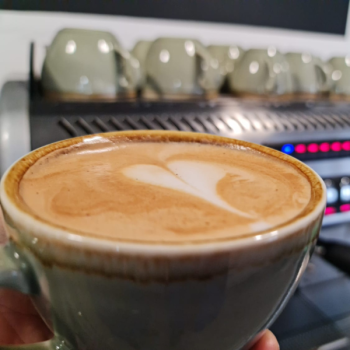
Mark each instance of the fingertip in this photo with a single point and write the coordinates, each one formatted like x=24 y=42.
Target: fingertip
x=271 y=342
x=267 y=342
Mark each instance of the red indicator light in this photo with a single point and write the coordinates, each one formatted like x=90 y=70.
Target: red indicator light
x=336 y=146
x=325 y=147
x=329 y=211
x=312 y=147
x=346 y=145
x=345 y=207
x=301 y=148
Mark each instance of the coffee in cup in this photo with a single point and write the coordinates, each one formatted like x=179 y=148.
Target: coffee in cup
x=158 y=240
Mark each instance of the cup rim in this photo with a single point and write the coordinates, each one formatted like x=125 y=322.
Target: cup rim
x=31 y=224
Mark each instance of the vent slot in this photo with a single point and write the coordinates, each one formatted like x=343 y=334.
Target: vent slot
x=164 y=123
x=150 y=123
x=85 y=126
x=118 y=124
x=67 y=126
x=195 y=126
x=102 y=125
x=180 y=123
x=135 y=123
x=207 y=124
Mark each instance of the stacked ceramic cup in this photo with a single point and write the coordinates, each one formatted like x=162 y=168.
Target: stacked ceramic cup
x=92 y=65
x=268 y=73
x=89 y=65
x=339 y=72
x=228 y=58
x=177 y=68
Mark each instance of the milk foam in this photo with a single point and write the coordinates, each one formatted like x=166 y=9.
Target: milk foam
x=163 y=191
x=195 y=178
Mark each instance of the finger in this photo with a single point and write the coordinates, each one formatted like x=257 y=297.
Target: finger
x=19 y=320
x=267 y=342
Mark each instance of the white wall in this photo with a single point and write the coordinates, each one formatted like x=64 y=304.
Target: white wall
x=18 y=29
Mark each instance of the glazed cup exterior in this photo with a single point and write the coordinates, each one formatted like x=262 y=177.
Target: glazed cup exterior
x=97 y=294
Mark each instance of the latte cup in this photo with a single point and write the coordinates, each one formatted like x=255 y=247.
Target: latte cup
x=88 y=65
x=262 y=73
x=106 y=294
x=178 y=68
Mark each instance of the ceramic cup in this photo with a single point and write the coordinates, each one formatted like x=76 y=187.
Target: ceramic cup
x=88 y=64
x=261 y=72
x=340 y=78
x=180 y=69
x=309 y=75
x=98 y=294
x=140 y=52
x=227 y=56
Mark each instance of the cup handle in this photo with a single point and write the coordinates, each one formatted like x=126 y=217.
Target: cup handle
x=131 y=69
x=53 y=344
x=271 y=81
x=209 y=79
x=16 y=274
x=326 y=79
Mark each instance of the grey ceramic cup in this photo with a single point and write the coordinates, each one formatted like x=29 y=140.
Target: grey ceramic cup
x=88 y=64
x=227 y=56
x=181 y=69
x=261 y=72
x=140 y=52
x=339 y=72
x=99 y=294
x=308 y=73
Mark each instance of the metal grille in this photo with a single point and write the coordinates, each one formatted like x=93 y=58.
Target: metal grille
x=234 y=123
x=88 y=125
x=229 y=117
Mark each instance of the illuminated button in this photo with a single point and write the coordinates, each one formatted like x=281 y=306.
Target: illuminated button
x=332 y=195
x=329 y=211
x=325 y=147
x=345 y=207
x=336 y=146
x=312 y=147
x=288 y=148
x=301 y=148
x=346 y=145
x=344 y=193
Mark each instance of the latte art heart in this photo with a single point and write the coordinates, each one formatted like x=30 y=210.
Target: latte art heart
x=163 y=191
x=195 y=178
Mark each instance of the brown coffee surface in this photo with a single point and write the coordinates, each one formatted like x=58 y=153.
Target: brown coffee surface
x=163 y=191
